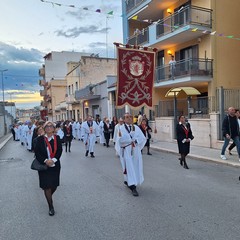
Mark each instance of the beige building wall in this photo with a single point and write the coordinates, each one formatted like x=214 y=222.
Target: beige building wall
x=95 y=70
x=225 y=50
x=57 y=92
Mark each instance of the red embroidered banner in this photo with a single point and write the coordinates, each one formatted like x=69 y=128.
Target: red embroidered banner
x=136 y=76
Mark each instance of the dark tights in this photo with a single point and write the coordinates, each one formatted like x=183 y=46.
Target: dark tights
x=68 y=143
x=183 y=161
x=48 y=194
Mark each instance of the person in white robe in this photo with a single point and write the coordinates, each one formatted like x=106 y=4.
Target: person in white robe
x=29 y=135
x=74 y=129
x=79 y=129
x=102 y=139
x=131 y=141
x=89 y=133
x=116 y=136
x=24 y=133
x=17 y=132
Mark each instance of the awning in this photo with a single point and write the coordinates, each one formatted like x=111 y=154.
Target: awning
x=190 y=91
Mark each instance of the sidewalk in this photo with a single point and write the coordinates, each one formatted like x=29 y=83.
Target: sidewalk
x=4 y=140
x=199 y=153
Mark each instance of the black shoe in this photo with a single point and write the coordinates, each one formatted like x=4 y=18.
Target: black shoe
x=229 y=152
x=185 y=166
x=125 y=182
x=51 y=212
x=104 y=144
x=134 y=192
x=92 y=156
x=86 y=153
x=149 y=153
x=69 y=150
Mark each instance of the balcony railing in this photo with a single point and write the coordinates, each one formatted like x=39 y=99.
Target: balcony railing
x=131 y=4
x=183 y=68
x=188 y=15
x=43 y=93
x=140 y=37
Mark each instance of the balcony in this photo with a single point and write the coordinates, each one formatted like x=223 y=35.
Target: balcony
x=185 y=25
x=140 y=38
x=43 y=104
x=43 y=93
x=189 y=23
x=49 y=99
x=42 y=82
x=185 y=71
x=70 y=99
x=58 y=108
x=42 y=72
x=132 y=4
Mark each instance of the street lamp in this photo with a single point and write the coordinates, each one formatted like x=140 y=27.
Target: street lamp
x=4 y=116
x=11 y=102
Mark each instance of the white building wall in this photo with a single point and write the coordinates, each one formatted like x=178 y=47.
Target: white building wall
x=56 y=66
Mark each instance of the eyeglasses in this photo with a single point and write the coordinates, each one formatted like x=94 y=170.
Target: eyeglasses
x=49 y=126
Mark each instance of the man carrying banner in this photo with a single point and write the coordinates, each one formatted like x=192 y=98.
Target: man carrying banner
x=131 y=141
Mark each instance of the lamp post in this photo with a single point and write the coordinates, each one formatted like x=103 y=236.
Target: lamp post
x=11 y=102
x=4 y=116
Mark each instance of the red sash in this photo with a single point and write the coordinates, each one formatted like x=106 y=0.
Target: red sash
x=52 y=154
x=186 y=130
x=68 y=130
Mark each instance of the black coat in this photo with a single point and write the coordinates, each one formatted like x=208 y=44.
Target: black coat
x=107 y=130
x=184 y=148
x=67 y=137
x=50 y=177
x=147 y=134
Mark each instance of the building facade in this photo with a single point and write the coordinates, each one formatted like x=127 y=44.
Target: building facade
x=205 y=58
x=53 y=73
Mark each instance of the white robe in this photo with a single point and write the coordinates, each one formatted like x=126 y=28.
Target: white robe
x=17 y=133
x=74 y=130
x=116 y=139
x=89 y=137
x=131 y=157
x=79 y=130
x=29 y=135
x=22 y=133
x=101 y=134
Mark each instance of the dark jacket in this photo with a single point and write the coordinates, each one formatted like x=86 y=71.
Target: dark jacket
x=50 y=177
x=67 y=136
x=184 y=148
x=230 y=126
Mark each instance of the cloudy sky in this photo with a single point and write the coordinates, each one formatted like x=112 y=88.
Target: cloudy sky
x=30 y=29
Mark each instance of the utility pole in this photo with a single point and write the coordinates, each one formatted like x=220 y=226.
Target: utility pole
x=4 y=115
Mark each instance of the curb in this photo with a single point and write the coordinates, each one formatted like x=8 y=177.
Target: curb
x=200 y=158
x=3 y=143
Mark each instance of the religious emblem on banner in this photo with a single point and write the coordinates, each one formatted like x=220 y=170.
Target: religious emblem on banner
x=135 y=77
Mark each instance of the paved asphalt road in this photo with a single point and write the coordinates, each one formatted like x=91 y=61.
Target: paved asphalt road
x=93 y=203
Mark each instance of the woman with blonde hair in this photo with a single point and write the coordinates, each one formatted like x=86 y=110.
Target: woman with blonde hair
x=48 y=150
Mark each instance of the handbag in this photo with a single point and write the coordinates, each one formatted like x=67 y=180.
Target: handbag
x=36 y=165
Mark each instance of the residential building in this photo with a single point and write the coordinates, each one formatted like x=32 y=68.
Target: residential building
x=53 y=73
x=203 y=38
x=86 y=86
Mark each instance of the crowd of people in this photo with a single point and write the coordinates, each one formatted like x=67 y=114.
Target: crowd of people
x=47 y=140
x=129 y=135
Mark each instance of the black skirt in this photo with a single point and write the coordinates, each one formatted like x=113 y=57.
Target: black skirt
x=50 y=178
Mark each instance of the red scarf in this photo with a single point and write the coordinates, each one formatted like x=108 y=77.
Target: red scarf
x=52 y=154
x=68 y=130
x=186 y=130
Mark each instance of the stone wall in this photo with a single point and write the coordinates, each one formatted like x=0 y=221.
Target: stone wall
x=205 y=131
